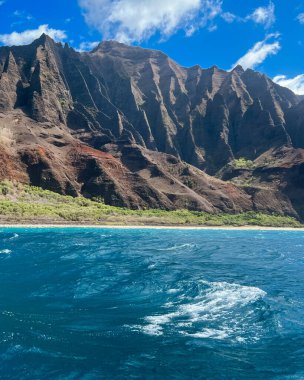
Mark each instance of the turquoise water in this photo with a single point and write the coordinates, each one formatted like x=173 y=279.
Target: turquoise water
x=151 y=304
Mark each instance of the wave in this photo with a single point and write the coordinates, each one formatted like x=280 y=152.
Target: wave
x=15 y=350
x=15 y=236
x=220 y=310
x=5 y=252
x=177 y=247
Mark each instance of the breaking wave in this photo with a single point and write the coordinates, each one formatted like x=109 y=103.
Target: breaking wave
x=5 y=252
x=219 y=310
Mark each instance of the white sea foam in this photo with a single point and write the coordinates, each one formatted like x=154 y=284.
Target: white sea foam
x=171 y=291
x=152 y=329
x=5 y=252
x=15 y=236
x=210 y=333
x=219 y=311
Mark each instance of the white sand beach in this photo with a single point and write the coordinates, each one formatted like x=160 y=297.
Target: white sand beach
x=147 y=227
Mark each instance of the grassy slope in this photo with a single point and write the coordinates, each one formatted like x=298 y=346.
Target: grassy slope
x=27 y=204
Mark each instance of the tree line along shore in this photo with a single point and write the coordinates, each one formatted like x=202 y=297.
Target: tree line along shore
x=24 y=204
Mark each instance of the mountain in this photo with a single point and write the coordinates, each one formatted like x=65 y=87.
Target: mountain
x=132 y=126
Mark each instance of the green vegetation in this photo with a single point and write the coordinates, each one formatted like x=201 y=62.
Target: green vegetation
x=28 y=204
x=243 y=163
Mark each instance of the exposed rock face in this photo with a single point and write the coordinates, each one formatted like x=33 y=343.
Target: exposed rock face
x=131 y=125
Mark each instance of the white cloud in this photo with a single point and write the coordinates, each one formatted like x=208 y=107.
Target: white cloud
x=30 y=35
x=23 y=15
x=212 y=28
x=259 y=52
x=300 y=18
x=87 y=46
x=295 y=84
x=263 y=15
x=229 y=17
x=137 y=20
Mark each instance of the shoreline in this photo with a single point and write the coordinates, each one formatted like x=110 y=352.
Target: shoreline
x=145 y=227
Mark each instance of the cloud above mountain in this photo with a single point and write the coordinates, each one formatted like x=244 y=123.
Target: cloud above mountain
x=259 y=52
x=263 y=15
x=295 y=84
x=27 y=36
x=135 y=21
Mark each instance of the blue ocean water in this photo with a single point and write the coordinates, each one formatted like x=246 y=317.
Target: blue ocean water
x=151 y=304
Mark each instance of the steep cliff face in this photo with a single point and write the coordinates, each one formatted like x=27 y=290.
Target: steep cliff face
x=142 y=110
x=205 y=117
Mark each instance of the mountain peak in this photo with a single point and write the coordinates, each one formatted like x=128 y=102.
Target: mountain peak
x=109 y=45
x=238 y=69
x=44 y=40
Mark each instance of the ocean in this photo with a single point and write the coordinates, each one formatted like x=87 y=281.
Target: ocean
x=151 y=304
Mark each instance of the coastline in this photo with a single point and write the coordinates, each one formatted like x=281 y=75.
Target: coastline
x=30 y=207
x=146 y=227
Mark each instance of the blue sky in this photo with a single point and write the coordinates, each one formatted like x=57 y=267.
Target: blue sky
x=264 y=35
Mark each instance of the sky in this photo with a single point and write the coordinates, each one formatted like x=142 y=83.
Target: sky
x=264 y=35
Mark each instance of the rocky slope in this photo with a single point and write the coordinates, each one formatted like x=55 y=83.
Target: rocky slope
x=132 y=126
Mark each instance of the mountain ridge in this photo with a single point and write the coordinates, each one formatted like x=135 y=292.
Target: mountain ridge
x=125 y=101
